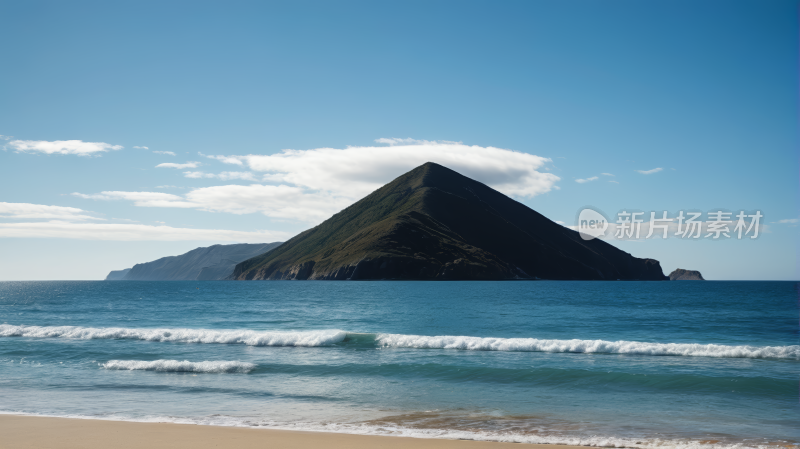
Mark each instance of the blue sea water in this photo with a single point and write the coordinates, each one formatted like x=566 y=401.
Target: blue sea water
x=634 y=364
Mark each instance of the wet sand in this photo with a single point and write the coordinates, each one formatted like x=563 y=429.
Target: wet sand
x=23 y=432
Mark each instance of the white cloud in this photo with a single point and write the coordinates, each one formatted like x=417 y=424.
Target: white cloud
x=788 y=221
x=167 y=187
x=41 y=211
x=168 y=153
x=78 y=147
x=132 y=232
x=284 y=202
x=410 y=141
x=606 y=174
x=650 y=172
x=197 y=174
x=141 y=199
x=356 y=171
x=581 y=181
x=145 y=148
x=314 y=184
x=180 y=166
x=235 y=160
x=244 y=175
x=225 y=176
x=6 y=137
x=615 y=182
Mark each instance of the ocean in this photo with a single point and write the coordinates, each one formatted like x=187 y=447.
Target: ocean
x=627 y=364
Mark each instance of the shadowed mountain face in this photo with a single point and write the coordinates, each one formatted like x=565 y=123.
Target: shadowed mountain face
x=203 y=264
x=433 y=223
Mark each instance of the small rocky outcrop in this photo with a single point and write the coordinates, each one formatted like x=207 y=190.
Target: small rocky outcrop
x=685 y=275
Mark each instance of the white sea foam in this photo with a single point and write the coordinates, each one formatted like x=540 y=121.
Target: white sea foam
x=450 y=434
x=247 y=337
x=587 y=346
x=510 y=437
x=178 y=366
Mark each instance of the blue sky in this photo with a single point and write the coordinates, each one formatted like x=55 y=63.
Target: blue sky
x=533 y=91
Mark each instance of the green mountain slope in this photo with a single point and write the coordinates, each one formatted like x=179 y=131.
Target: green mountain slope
x=433 y=223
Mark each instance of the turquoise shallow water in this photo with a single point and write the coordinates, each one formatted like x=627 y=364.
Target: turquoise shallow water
x=638 y=364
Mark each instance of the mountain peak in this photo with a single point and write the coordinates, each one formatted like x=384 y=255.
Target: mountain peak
x=427 y=175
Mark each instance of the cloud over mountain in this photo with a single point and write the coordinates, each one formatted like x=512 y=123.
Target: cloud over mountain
x=360 y=170
x=311 y=185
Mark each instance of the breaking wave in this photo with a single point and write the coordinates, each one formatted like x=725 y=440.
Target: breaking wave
x=177 y=366
x=246 y=337
x=587 y=346
x=465 y=343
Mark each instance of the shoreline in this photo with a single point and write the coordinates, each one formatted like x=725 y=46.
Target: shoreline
x=34 y=432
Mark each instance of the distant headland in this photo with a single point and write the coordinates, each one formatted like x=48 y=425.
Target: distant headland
x=209 y=263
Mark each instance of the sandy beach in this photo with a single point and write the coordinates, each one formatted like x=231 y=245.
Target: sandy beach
x=23 y=432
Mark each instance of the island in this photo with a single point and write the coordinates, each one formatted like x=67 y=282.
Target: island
x=433 y=223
